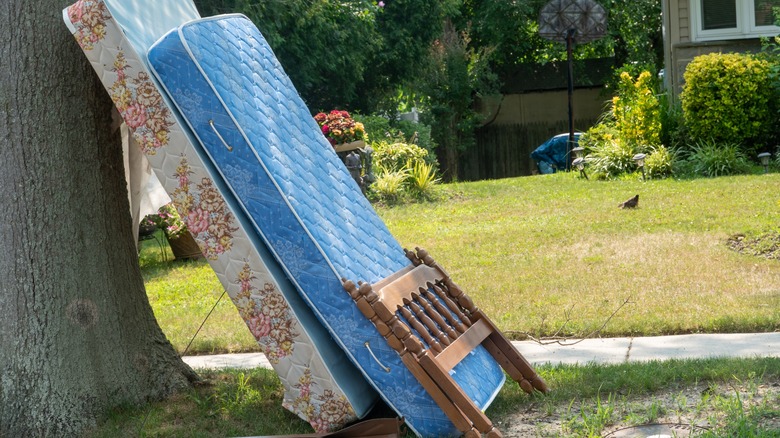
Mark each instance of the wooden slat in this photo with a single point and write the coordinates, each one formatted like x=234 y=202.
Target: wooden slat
x=505 y=354
x=450 y=409
x=474 y=336
x=393 y=293
x=391 y=278
x=455 y=393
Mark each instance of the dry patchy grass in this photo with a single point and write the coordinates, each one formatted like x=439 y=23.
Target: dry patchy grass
x=543 y=253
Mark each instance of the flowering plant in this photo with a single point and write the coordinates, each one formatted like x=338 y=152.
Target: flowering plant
x=339 y=127
x=168 y=220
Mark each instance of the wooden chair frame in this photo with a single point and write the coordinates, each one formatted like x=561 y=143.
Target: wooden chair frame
x=438 y=326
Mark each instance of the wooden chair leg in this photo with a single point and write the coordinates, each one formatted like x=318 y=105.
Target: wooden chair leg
x=481 y=422
x=497 y=344
x=458 y=418
x=520 y=363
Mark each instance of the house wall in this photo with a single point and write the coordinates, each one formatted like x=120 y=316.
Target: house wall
x=679 y=49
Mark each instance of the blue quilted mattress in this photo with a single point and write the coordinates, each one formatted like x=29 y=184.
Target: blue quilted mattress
x=252 y=124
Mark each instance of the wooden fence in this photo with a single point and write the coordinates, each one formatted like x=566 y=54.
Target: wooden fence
x=504 y=151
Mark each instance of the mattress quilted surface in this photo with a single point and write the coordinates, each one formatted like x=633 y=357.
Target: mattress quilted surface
x=225 y=80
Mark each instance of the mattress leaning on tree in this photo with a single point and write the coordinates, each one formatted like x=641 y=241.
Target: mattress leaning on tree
x=235 y=96
x=321 y=384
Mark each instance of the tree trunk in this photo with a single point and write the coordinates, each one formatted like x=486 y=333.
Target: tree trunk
x=77 y=334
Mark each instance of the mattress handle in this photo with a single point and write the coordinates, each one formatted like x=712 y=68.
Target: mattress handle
x=229 y=148
x=368 y=346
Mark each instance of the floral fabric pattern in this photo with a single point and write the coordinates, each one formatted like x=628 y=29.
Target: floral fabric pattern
x=136 y=97
x=324 y=410
x=92 y=15
x=141 y=106
x=267 y=315
x=205 y=212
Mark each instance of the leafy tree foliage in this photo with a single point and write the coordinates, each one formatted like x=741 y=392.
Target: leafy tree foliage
x=324 y=46
x=456 y=73
x=364 y=54
x=352 y=54
x=512 y=30
x=407 y=28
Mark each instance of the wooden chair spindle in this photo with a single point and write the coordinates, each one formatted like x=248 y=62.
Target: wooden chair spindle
x=446 y=330
x=429 y=323
x=459 y=327
x=420 y=329
x=452 y=305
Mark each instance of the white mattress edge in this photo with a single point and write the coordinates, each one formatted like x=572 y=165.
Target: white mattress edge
x=67 y=21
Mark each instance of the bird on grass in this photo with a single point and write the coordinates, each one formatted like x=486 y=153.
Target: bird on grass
x=631 y=203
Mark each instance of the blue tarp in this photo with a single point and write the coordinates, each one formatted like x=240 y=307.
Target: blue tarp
x=551 y=155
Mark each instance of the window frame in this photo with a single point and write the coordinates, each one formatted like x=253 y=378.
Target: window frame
x=746 y=24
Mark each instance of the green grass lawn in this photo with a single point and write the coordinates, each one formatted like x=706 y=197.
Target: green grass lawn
x=545 y=252
x=727 y=397
x=554 y=255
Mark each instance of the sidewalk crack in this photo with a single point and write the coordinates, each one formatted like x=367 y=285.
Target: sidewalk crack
x=628 y=351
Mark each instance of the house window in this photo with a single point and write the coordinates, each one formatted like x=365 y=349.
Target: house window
x=732 y=19
x=763 y=12
x=718 y=14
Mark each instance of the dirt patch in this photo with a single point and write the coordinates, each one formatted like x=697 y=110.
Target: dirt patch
x=766 y=245
x=694 y=410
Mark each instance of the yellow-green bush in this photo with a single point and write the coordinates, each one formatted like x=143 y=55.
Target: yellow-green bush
x=659 y=162
x=403 y=171
x=396 y=156
x=636 y=111
x=631 y=125
x=726 y=98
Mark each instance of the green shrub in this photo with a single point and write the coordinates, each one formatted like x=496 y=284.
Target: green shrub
x=390 y=185
x=632 y=125
x=402 y=169
x=726 y=99
x=422 y=180
x=609 y=159
x=711 y=159
x=659 y=162
x=382 y=129
x=636 y=112
x=377 y=127
x=392 y=157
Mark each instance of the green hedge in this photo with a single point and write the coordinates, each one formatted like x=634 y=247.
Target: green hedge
x=727 y=99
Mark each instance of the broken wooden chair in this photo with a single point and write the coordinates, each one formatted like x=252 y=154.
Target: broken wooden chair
x=433 y=325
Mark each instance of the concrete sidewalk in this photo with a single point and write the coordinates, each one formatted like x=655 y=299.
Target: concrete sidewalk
x=606 y=350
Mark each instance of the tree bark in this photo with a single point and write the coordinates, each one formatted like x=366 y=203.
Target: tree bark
x=77 y=334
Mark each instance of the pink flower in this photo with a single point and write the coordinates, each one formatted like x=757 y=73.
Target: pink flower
x=135 y=115
x=198 y=220
x=381 y=4
x=259 y=325
x=325 y=129
x=76 y=11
